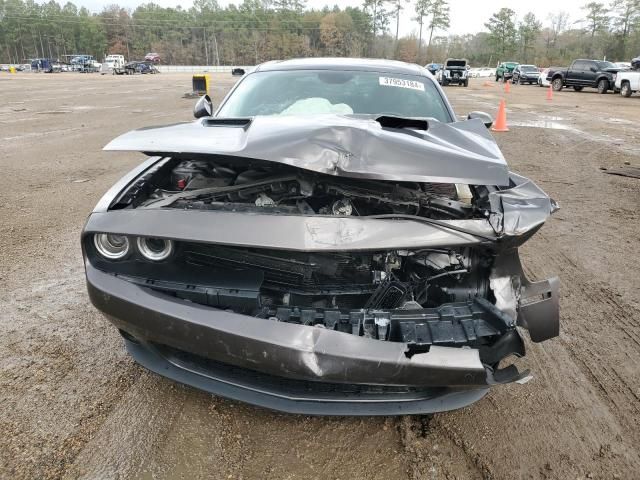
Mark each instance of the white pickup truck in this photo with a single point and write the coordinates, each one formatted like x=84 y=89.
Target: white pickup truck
x=628 y=82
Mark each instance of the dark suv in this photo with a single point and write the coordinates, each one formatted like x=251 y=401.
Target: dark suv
x=585 y=73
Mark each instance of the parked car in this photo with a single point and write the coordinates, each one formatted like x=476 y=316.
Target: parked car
x=542 y=78
x=526 y=74
x=83 y=63
x=628 y=82
x=504 y=71
x=584 y=73
x=42 y=65
x=482 y=72
x=152 y=57
x=271 y=252
x=454 y=72
x=623 y=65
x=433 y=67
x=134 y=67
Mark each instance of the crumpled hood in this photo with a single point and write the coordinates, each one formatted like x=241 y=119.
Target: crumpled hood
x=354 y=146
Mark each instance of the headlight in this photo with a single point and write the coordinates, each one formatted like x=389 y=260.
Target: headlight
x=111 y=246
x=155 y=249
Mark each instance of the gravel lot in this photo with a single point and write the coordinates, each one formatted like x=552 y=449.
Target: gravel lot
x=72 y=404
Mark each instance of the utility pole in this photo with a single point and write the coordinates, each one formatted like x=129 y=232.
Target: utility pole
x=215 y=42
x=206 y=48
x=420 y=37
x=397 y=19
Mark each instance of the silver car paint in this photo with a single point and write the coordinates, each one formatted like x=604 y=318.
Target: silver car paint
x=351 y=146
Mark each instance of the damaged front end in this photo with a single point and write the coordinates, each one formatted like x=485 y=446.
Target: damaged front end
x=323 y=290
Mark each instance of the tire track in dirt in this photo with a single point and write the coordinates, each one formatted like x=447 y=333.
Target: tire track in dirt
x=599 y=340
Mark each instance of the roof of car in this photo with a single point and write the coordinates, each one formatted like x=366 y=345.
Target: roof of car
x=364 y=64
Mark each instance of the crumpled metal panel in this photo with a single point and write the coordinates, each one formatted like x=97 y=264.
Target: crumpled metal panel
x=285 y=232
x=354 y=146
x=524 y=207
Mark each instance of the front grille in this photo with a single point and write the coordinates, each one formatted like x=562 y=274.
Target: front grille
x=290 y=270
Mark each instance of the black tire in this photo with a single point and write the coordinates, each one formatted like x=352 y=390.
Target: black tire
x=465 y=83
x=497 y=78
x=578 y=89
x=557 y=84
x=625 y=89
x=603 y=86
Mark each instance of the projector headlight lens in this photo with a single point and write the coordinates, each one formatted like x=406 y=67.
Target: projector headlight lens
x=111 y=246
x=155 y=249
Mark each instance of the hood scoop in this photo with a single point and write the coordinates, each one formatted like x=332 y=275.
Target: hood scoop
x=399 y=122
x=227 y=122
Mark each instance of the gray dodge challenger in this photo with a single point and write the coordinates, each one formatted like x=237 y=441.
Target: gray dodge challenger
x=331 y=240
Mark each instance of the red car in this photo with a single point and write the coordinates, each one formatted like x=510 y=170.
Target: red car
x=152 y=57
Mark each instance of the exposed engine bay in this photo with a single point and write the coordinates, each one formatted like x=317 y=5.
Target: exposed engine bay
x=264 y=187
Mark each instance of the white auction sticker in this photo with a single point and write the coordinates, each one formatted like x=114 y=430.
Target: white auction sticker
x=401 y=83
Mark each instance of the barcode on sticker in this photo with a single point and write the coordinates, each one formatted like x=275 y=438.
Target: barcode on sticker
x=401 y=83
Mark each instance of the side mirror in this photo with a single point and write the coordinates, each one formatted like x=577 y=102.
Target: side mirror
x=485 y=117
x=203 y=108
x=593 y=69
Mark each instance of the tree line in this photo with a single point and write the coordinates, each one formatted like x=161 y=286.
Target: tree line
x=254 y=31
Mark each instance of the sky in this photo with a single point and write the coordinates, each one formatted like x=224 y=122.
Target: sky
x=467 y=16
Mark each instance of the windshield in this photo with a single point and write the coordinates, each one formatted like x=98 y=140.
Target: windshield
x=313 y=92
x=528 y=68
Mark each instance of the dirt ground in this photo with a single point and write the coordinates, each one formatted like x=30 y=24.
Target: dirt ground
x=74 y=405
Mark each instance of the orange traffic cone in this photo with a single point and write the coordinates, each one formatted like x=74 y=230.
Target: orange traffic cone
x=500 y=124
x=507 y=87
x=550 y=93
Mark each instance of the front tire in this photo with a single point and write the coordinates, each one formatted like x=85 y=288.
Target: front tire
x=625 y=90
x=557 y=84
x=603 y=86
x=497 y=78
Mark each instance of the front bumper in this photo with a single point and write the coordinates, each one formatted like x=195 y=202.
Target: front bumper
x=287 y=367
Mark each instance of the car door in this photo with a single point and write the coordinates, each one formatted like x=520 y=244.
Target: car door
x=589 y=76
x=575 y=73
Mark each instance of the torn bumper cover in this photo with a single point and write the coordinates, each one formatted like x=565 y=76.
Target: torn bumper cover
x=294 y=368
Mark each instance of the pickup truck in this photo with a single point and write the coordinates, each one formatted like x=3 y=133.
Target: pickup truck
x=454 y=71
x=628 y=82
x=505 y=70
x=585 y=73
